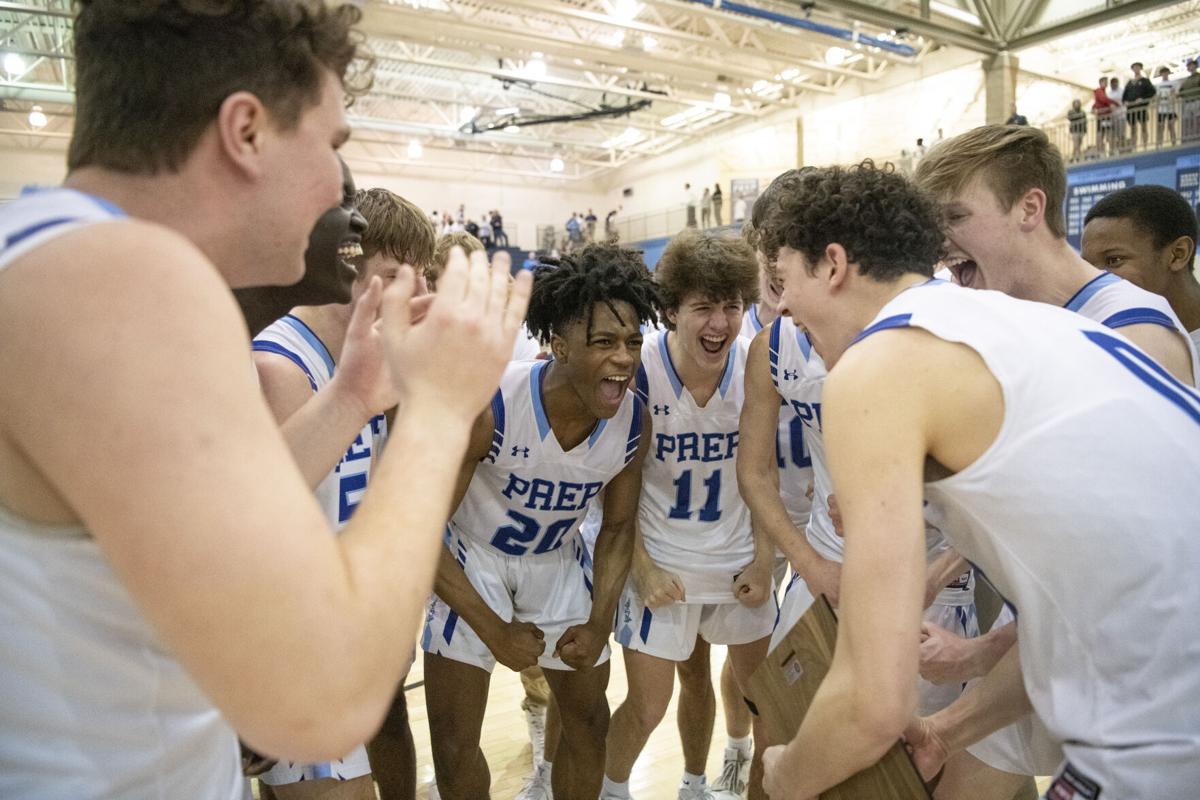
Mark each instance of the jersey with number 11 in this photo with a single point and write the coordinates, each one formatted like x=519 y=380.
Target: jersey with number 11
x=693 y=520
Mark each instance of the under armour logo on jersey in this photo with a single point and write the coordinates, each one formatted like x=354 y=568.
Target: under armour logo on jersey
x=664 y=410
x=790 y=374
x=523 y=452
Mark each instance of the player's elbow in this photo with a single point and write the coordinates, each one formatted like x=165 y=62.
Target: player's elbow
x=325 y=727
x=882 y=717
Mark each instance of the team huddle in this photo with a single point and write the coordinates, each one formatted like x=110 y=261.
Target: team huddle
x=525 y=471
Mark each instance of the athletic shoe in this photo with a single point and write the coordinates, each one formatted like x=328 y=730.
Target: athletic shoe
x=735 y=774
x=535 y=720
x=700 y=792
x=535 y=788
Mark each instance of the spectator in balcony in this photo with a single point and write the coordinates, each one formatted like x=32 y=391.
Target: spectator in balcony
x=690 y=198
x=1102 y=107
x=1077 y=124
x=1115 y=97
x=1189 y=96
x=705 y=208
x=498 y=235
x=1136 y=97
x=717 y=200
x=485 y=231
x=1167 y=91
x=590 y=226
x=1016 y=118
x=1191 y=84
x=610 y=225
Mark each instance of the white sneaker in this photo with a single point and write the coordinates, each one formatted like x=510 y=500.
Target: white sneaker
x=735 y=774
x=535 y=788
x=535 y=720
x=698 y=792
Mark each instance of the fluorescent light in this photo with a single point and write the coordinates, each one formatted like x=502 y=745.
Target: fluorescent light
x=836 y=56
x=955 y=13
x=722 y=99
x=14 y=64
x=512 y=128
x=625 y=10
x=507 y=111
x=535 y=67
x=37 y=118
x=415 y=150
x=468 y=115
x=556 y=164
x=649 y=42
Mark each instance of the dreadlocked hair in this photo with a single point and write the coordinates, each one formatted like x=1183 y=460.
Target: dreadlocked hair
x=566 y=289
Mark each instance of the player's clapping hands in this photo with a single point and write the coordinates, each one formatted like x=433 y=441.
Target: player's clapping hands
x=452 y=359
x=655 y=585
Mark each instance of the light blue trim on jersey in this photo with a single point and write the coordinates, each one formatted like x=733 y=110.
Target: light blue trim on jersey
x=599 y=429
x=263 y=346
x=635 y=430
x=1139 y=316
x=313 y=340
x=1089 y=289
x=754 y=321
x=727 y=378
x=896 y=321
x=537 y=376
x=672 y=375
x=805 y=343
x=16 y=238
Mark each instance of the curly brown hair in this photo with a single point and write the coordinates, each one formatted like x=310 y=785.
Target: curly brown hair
x=151 y=75
x=886 y=225
x=719 y=268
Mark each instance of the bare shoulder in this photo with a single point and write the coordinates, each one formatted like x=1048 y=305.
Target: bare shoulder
x=1165 y=345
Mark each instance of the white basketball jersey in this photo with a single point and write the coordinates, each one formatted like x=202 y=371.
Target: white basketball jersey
x=339 y=492
x=528 y=496
x=693 y=520
x=799 y=376
x=1115 y=302
x=1084 y=514
x=792 y=456
x=525 y=347
x=91 y=704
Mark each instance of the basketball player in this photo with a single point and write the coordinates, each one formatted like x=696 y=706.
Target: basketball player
x=515 y=584
x=1147 y=235
x=699 y=576
x=156 y=537
x=792 y=475
x=1006 y=457
x=299 y=355
x=1002 y=190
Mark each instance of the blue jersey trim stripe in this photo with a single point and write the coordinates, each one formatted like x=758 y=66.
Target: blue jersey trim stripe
x=16 y=238
x=537 y=376
x=1089 y=289
x=313 y=340
x=773 y=351
x=672 y=375
x=596 y=431
x=647 y=616
x=896 y=321
x=727 y=378
x=262 y=346
x=1139 y=316
x=643 y=384
x=754 y=320
x=805 y=345
x=635 y=430
x=497 y=426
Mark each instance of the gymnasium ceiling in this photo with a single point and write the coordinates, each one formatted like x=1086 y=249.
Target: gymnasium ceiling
x=571 y=88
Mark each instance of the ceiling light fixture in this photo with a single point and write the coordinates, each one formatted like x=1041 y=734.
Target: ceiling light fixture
x=37 y=118
x=556 y=164
x=415 y=150
x=626 y=10
x=14 y=64
x=722 y=99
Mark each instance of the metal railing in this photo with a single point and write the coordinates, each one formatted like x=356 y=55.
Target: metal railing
x=1161 y=124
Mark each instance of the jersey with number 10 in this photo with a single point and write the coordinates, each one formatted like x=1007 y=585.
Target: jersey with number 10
x=693 y=520
x=528 y=495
